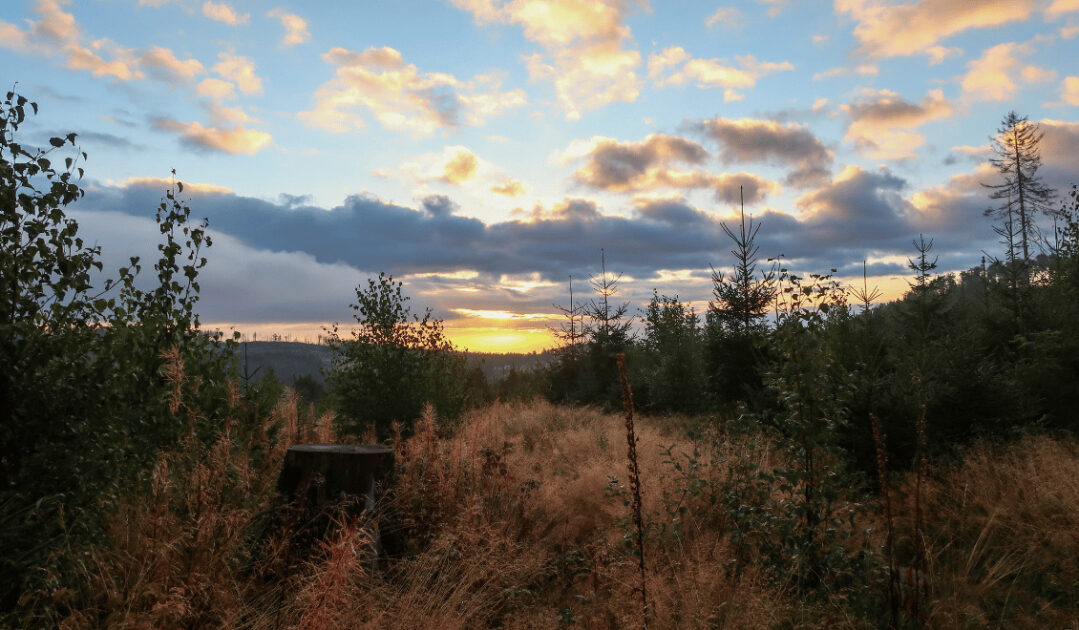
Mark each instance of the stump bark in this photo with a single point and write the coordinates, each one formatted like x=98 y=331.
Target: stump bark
x=317 y=474
x=325 y=482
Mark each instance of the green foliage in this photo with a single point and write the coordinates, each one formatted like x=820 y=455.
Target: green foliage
x=674 y=376
x=734 y=328
x=394 y=363
x=690 y=486
x=586 y=371
x=84 y=402
x=808 y=394
x=741 y=301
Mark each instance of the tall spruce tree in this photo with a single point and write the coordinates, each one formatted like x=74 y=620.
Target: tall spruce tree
x=742 y=300
x=609 y=323
x=1022 y=190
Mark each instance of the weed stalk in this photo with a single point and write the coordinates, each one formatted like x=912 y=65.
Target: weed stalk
x=634 y=481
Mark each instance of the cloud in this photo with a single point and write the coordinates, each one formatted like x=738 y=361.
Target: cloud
x=1069 y=90
x=775 y=7
x=401 y=97
x=456 y=165
x=216 y=89
x=956 y=206
x=240 y=283
x=234 y=140
x=997 y=74
x=222 y=12
x=190 y=188
x=752 y=140
x=220 y=115
x=881 y=120
x=622 y=167
x=587 y=53
x=614 y=165
x=1059 y=166
x=725 y=17
x=241 y=71
x=674 y=66
x=674 y=211
x=164 y=62
x=1060 y=7
x=57 y=34
x=90 y=139
x=439 y=205
x=509 y=187
x=859 y=214
x=896 y=30
x=967 y=153
x=122 y=66
x=295 y=27
x=865 y=70
x=460 y=168
x=939 y=54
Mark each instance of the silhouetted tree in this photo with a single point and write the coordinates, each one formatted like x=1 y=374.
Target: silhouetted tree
x=673 y=344
x=570 y=332
x=394 y=362
x=608 y=324
x=1025 y=195
x=735 y=320
x=741 y=301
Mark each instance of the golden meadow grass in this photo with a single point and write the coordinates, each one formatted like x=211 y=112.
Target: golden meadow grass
x=507 y=520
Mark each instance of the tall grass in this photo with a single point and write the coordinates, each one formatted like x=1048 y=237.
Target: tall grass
x=503 y=521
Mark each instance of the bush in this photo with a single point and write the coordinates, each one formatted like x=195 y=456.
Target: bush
x=84 y=402
x=394 y=363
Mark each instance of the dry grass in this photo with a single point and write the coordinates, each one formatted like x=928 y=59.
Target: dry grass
x=1004 y=538
x=512 y=521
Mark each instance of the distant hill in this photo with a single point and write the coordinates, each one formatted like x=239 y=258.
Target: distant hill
x=290 y=360
x=496 y=366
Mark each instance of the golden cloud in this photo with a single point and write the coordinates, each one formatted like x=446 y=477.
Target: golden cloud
x=995 y=76
x=585 y=41
x=400 y=96
x=509 y=188
x=664 y=69
x=195 y=188
x=241 y=71
x=235 y=140
x=57 y=33
x=222 y=12
x=460 y=168
x=165 y=62
x=295 y=27
x=881 y=122
x=1060 y=7
x=216 y=89
x=1069 y=90
x=895 y=30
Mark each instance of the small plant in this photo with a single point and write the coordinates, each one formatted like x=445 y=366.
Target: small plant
x=689 y=484
x=634 y=483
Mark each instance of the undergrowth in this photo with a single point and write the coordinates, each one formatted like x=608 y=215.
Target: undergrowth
x=515 y=518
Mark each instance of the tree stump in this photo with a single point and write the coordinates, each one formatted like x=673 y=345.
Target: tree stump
x=325 y=481
x=317 y=474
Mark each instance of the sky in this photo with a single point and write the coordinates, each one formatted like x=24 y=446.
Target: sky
x=484 y=151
